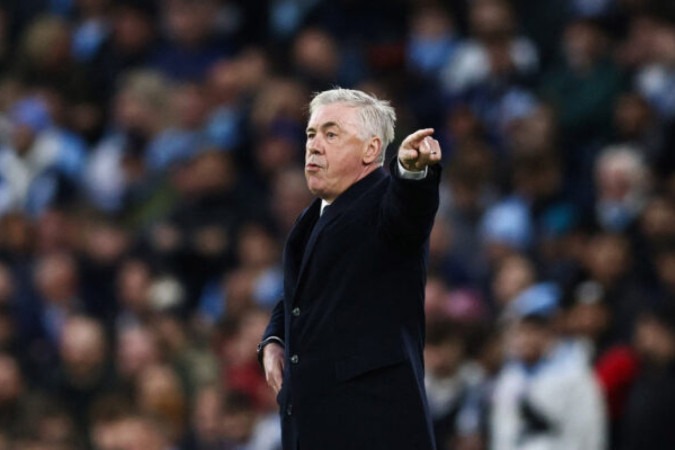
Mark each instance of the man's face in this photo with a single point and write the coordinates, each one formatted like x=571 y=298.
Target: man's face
x=335 y=150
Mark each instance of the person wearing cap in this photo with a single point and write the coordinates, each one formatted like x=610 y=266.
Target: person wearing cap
x=546 y=396
x=344 y=348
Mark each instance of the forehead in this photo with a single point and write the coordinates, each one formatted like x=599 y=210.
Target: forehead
x=339 y=113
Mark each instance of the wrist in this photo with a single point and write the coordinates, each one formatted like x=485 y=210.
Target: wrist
x=260 y=350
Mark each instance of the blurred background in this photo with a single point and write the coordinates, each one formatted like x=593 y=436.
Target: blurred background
x=151 y=166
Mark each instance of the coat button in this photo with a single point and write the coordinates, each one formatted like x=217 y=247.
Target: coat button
x=289 y=410
x=295 y=359
x=296 y=311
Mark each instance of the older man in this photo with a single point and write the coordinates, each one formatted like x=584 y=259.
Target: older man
x=343 y=349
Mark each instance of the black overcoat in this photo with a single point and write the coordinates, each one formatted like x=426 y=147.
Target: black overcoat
x=352 y=318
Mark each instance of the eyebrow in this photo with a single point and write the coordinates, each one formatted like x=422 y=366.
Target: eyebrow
x=323 y=126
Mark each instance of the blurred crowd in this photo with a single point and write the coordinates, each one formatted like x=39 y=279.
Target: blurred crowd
x=151 y=165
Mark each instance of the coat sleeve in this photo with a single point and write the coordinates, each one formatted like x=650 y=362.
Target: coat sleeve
x=408 y=207
x=275 y=328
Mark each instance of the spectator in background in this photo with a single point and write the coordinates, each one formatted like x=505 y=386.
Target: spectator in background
x=91 y=29
x=192 y=41
x=546 y=397
x=637 y=126
x=607 y=260
x=649 y=410
x=654 y=80
x=13 y=391
x=56 y=281
x=585 y=86
x=196 y=239
x=432 y=42
x=84 y=372
x=45 y=59
x=622 y=184
x=117 y=174
x=447 y=378
x=137 y=350
x=316 y=59
x=159 y=394
x=495 y=51
x=42 y=163
x=512 y=277
x=130 y=39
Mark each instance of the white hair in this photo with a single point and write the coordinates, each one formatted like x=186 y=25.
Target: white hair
x=378 y=117
x=626 y=160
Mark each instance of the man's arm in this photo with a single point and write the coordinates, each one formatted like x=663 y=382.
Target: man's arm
x=411 y=203
x=271 y=348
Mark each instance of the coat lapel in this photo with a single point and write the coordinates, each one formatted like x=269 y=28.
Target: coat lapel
x=329 y=216
x=296 y=244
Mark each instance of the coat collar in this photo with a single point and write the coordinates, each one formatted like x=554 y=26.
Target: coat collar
x=337 y=208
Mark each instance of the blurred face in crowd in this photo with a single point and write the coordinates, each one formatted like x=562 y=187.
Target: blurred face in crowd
x=337 y=155
x=133 y=285
x=654 y=341
x=443 y=359
x=514 y=274
x=206 y=415
x=530 y=340
x=607 y=257
x=663 y=43
x=160 y=394
x=491 y=20
x=83 y=347
x=138 y=433
x=583 y=44
x=190 y=22
x=10 y=379
x=6 y=285
x=588 y=320
x=632 y=115
x=190 y=106
x=132 y=30
x=137 y=349
x=56 y=278
x=290 y=196
x=316 y=53
x=657 y=219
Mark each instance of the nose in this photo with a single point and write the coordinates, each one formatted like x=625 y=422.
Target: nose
x=314 y=146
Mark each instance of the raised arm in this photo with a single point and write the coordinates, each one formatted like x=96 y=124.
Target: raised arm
x=410 y=205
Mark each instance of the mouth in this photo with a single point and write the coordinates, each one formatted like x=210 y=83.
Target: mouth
x=312 y=167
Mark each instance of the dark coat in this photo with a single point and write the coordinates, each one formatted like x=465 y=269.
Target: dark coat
x=352 y=318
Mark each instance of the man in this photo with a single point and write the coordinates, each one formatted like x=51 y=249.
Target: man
x=343 y=349
x=546 y=396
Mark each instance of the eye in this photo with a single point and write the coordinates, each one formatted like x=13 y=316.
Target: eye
x=331 y=135
x=310 y=135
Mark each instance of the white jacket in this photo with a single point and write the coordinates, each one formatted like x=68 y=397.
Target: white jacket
x=562 y=389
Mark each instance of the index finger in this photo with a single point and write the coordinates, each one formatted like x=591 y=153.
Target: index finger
x=416 y=138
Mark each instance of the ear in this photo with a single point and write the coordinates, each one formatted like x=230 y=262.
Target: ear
x=372 y=151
